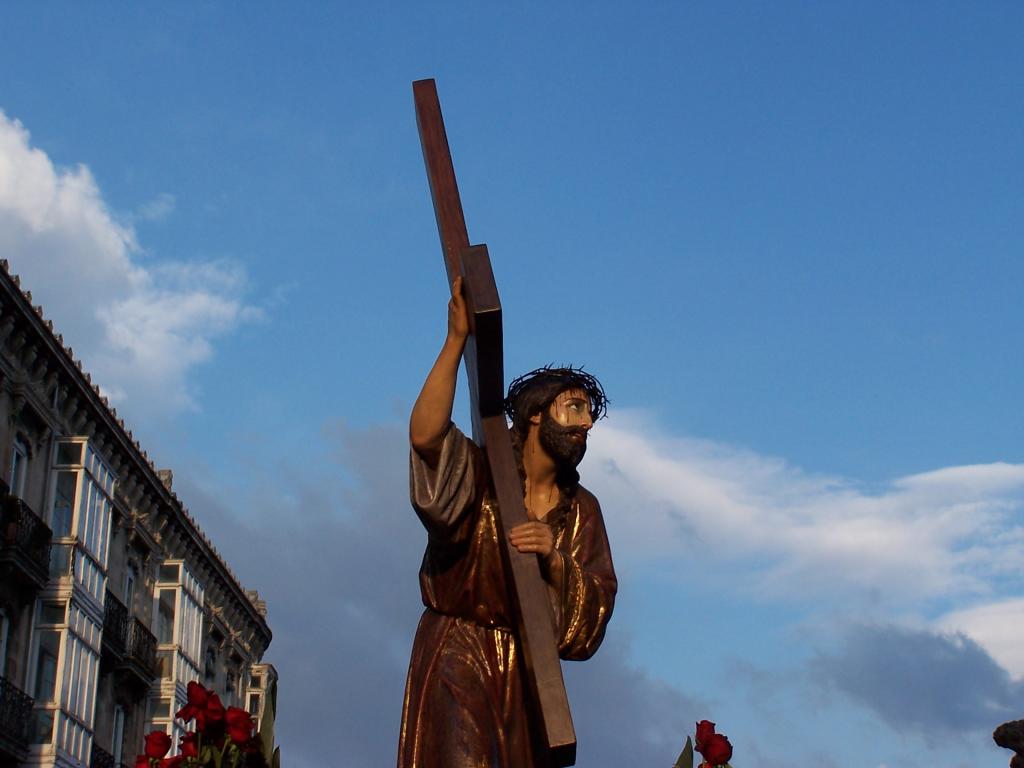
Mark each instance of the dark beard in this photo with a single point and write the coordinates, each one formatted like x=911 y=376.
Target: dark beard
x=558 y=442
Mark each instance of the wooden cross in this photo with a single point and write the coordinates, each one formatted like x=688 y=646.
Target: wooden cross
x=551 y=721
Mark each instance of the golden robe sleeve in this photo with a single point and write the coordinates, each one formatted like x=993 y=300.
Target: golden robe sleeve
x=587 y=593
x=444 y=497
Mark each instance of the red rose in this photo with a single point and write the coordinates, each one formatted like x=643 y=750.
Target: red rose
x=214 y=709
x=142 y=761
x=717 y=749
x=173 y=762
x=196 y=706
x=157 y=744
x=190 y=744
x=240 y=725
x=705 y=728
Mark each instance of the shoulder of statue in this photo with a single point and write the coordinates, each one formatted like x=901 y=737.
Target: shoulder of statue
x=455 y=434
x=587 y=501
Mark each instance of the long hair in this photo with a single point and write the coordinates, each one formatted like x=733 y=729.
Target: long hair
x=533 y=393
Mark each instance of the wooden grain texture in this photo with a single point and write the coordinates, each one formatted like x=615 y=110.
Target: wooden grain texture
x=486 y=341
x=551 y=720
x=444 y=190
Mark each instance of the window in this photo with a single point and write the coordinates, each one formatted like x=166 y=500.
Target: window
x=117 y=735
x=81 y=667
x=164 y=665
x=19 y=468
x=61 y=560
x=51 y=613
x=47 y=656
x=254 y=704
x=165 y=615
x=69 y=453
x=83 y=487
x=230 y=685
x=170 y=572
x=178 y=623
x=42 y=728
x=129 y=588
x=94 y=508
x=64 y=671
x=64 y=504
x=210 y=672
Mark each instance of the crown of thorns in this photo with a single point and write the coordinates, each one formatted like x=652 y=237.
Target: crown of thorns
x=559 y=379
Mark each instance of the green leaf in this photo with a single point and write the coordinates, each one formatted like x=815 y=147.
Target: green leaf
x=686 y=756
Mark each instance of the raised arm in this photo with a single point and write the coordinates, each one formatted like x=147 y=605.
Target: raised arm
x=432 y=412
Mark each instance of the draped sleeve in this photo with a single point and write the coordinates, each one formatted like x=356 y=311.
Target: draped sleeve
x=587 y=593
x=444 y=497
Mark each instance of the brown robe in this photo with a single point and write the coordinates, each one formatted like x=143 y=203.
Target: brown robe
x=464 y=701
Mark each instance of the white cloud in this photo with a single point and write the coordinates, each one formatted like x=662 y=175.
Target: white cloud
x=157 y=209
x=996 y=626
x=918 y=546
x=138 y=329
x=951 y=534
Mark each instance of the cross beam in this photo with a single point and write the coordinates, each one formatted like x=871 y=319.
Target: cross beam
x=551 y=721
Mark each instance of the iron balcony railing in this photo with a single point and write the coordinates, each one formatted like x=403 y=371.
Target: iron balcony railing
x=140 y=647
x=115 y=625
x=15 y=714
x=127 y=644
x=24 y=541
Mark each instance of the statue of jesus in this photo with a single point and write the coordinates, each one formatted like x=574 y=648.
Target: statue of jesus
x=465 y=704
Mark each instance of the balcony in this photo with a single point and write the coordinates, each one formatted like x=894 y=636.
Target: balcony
x=115 y=627
x=24 y=544
x=128 y=647
x=15 y=721
x=140 y=647
x=133 y=661
x=100 y=758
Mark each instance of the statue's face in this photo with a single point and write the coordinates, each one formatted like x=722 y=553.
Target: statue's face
x=564 y=427
x=572 y=409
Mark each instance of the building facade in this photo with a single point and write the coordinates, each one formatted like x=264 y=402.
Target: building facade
x=111 y=597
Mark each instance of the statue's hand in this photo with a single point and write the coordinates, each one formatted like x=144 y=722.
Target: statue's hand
x=533 y=536
x=458 y=315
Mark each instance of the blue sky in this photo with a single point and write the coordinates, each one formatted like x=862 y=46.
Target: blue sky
x=786 y=236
